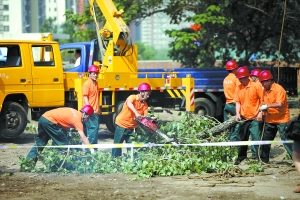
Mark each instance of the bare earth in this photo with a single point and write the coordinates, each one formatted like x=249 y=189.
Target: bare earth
x=277 y=182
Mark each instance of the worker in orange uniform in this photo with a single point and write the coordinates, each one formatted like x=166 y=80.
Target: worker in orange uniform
x=254 y=75
x=134 y=106
x=90 y=92
x=254 y=78
x=229 y=85
x=277 y=113
x=248 y=97
x=52 y=123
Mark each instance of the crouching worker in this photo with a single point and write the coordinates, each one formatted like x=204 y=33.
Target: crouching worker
x=134 y=106
x=52 y=123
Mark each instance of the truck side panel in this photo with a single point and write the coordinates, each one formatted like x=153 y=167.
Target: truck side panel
x=48 y=88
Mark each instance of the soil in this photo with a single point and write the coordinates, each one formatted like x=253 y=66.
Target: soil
x=278 y=180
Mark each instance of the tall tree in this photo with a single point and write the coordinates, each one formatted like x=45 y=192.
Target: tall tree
x=48 y=26
x=69 y=29
x=145 y=52
x=242 y=27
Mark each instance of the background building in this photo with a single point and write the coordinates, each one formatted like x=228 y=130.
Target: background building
x=27 y=16
x=151 y=30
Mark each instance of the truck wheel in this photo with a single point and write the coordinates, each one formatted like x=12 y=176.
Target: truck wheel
x=13 y=120
x=110 y=121
x=205 y=107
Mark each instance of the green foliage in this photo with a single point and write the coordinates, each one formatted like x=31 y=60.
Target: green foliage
x=49 y=26
x=162 y=54
x=287 y=157
x=8 y=174
x=255 y=166
x=147 y=162
x=145 y=52
x=183 y=48
x=32 y=128
x=235 y=29
x=26 y=165
x=69 y=29
x=83 y=23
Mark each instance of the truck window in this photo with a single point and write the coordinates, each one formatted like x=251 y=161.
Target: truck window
x=43 y=55
x=69 y=58
x=10 y=56
x=3 y=54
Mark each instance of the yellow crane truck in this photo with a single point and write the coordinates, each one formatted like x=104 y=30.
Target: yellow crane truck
x=34 y=80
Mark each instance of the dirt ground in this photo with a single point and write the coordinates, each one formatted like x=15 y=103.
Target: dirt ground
x=277 y=181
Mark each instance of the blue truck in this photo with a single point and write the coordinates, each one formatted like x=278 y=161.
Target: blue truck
x=209 y=97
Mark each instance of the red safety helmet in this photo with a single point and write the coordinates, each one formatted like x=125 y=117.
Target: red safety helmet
x=255 y=72
x=242 y=72
x=144 y=87
x=87 y=109
x=231 y=65
x=265 y=75
x=93 y=68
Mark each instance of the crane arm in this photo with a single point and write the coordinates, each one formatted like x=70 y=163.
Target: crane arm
x=115 y=25
x=117 y=51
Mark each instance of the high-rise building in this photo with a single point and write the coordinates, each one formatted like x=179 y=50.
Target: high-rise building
x=21 y=16
x=27 y=16
x=152 y=30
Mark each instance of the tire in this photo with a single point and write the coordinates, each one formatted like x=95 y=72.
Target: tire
x=13 y=120
x=205 y=107
x=110 y=120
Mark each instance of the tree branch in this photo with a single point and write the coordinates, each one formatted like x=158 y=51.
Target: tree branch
x=255 y=8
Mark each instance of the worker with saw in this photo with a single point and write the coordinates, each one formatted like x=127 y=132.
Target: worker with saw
x=135 y=106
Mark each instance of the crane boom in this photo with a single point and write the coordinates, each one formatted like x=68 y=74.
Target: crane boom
x=118 y=53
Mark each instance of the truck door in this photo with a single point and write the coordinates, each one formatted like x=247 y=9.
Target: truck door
x=47 y=74
x=15 y=77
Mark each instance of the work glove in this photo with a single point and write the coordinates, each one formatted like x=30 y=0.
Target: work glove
x=263 y=107
x=92 y=151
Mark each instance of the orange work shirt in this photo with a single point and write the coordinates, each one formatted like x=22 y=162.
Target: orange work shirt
x=65 y=117
x=126 y=117
x=258 y=83
x=276 y=115
x=250 y=98
x=90 y=89
x=229 y=85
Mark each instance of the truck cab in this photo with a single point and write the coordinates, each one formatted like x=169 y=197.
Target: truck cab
x=89 y=54
x=31 y=79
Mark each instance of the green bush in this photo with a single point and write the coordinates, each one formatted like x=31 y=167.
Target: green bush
x=166 y=160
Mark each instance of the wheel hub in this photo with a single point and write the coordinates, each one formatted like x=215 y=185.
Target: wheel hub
x=12 y=120
x=202 y=111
